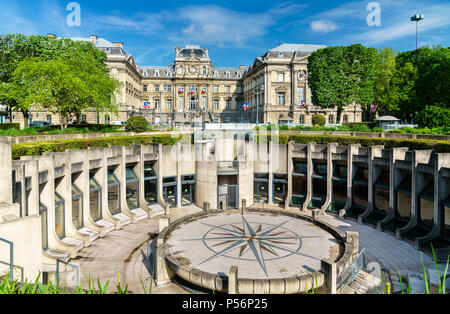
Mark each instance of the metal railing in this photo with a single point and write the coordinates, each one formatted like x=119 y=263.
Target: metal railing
x=227 y=166
x=349 y=274
x=11 y=257
x=77 y=274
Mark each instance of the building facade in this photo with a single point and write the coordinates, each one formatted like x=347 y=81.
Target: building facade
x=273 y=90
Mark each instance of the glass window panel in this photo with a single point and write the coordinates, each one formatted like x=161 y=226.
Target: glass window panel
x=263 y=176
x=59 y=216
x=382 y=199
x=44 y=225
x=403 y=205
x=170 y=195
x=360 y=195
x=170 y=180
x=339 y=191
x=149 y=171
x=130 y=174
x=340 y=171
x=113 y=199
x=300 y=167
x=383 y=178
x=426 y=212
x=95 y=205
x=279 y=193
x=319 y=188
x=132 y=195
x=77 y=212
x=319 y=169
x=362 y=173
x=150 y=190
x=112 y=179
x=280 y=177
x=299 y=185
x=261 y=190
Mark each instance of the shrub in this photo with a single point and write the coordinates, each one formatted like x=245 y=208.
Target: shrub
x=438 y=146
x=38 y=148
x=136 y=124
x=318 y=119
x=7 y=126
x=377 y=130
x=434 y=117
x=360 y=128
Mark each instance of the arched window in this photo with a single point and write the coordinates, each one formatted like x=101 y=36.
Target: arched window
x=331 y=119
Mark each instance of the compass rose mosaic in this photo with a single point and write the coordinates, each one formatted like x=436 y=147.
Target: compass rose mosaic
x=262 y=246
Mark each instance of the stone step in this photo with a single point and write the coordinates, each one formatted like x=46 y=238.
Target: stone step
x=123 y=219
x=140 y=214
x=156 y=210
x=108 y=227
x=93 y=235
x=79 y=244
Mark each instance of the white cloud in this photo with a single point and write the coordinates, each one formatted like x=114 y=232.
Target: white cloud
x=323 y=26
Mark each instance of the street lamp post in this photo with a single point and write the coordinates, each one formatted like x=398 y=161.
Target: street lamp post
x=417 y=18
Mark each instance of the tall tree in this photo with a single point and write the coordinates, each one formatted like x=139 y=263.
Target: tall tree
x=15 y=48
x=63 y=87
x=342 y=76
x=385 y=69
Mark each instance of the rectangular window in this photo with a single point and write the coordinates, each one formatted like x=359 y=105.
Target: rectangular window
x=204 y=103
x=156 y=103
x=301 y=95
x=169 y=104
x=216 y=89
x=281 y=99
x=227 y=89
x=181 y=102
x=302 y=119
x=156 y=88
x=280 y=77
x=228 y=105
x=216 y=104
x=169 y=88
x=145 y=88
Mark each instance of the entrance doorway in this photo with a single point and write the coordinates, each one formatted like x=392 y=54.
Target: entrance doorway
x=170 y=191
x=227 y=197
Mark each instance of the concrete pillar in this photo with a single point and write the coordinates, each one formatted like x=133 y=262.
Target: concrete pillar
x=244 y=206
x=5 y=170
x=164 y=222
x=233 y=280
x=309 y=172
x=120 y=173
x=330 y=150
x=374 y=151
x=206 y=207
x=353 y=239
x=352 y=150
x=163 y=274
x=329 y=270
x=270 y=192
x=394 y=155
x=179 y=163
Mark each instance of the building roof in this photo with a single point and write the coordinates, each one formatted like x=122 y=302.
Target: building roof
x=387 y=118
x=297 y=47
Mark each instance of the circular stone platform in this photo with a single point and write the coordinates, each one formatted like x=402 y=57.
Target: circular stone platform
x=262 y=246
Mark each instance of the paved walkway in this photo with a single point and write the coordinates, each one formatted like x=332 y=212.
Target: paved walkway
x=123 y=251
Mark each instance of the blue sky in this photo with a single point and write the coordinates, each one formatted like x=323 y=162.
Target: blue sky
x=235 y=31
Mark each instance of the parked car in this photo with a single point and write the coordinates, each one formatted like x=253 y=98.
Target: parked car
x=38 y=124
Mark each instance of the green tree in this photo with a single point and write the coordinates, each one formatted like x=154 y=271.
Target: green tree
x=15 y=48
x=342 y=75
x=63 y=87
x=434 y=117
x=385 y=69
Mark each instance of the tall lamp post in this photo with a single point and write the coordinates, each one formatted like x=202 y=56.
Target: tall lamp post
x=417 y=18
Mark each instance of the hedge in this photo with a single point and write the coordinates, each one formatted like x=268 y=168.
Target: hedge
x=7 y=126
x=438 y=146
x=38 y=148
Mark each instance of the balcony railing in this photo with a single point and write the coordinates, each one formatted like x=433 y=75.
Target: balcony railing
x=227 y=167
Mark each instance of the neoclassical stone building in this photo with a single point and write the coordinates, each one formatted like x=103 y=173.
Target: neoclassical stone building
x=192 y=89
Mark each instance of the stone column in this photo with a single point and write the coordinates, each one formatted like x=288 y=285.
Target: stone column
x=352 y=150
x=233 y=280
x=309 y=172
x=330 y=150
x=374 y=151
x=329 y=270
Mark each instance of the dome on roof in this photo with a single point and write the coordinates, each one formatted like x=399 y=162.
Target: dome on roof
x=196 y=50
